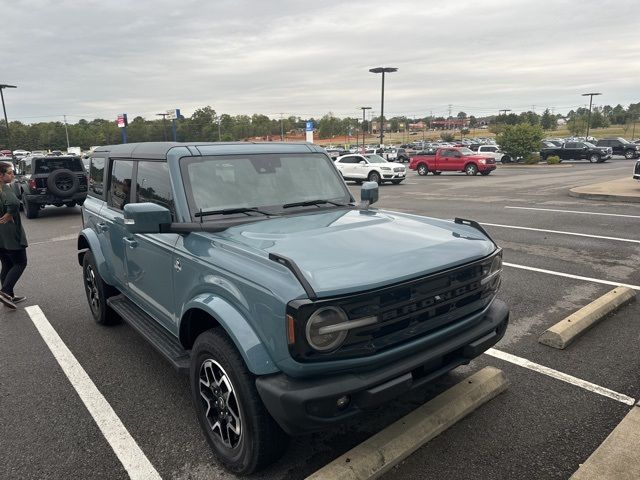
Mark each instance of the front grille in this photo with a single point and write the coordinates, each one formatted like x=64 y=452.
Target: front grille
x=438 y=306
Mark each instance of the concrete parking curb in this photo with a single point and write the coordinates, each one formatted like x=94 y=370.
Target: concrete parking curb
x=620 y=190
x=618 y=456
x=567 y=330
x=382 y=451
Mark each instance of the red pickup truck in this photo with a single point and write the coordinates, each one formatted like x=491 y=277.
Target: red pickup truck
x=453 y=160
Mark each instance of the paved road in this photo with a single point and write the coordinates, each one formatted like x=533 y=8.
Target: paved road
x=541 y=428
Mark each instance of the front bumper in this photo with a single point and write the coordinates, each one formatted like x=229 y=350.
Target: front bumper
x=305 y=405
x=487 y=167
x=393 y=176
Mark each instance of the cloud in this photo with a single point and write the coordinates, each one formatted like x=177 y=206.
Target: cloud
x=97 y=59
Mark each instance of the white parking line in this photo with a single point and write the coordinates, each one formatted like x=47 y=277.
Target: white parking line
x=125 y=447
x=592 y=387
x=560 y=232
x=576 y=211
x=569 y=275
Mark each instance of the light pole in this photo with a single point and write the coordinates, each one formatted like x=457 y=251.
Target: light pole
x=382 y=70
x=364 y=109
x=2 y=87
x=164 y=124
x=590 y=95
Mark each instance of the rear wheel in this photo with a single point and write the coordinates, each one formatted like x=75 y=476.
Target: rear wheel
x=471 y=169
x=423 y=169
x=97 y=292
x=30 y=209
x=240 y=431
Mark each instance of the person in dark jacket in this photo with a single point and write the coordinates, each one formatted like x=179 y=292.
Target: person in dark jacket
x=13 y=240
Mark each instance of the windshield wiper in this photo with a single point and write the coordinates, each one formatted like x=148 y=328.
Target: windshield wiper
x=313 y=202
x=230 y=211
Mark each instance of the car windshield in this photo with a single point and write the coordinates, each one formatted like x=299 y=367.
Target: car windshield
x=624 y=141
x=466 y=151
x=373 y=158
x=263 y=180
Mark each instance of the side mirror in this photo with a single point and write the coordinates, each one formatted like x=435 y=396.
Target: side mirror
x=368 y=194
x=145 y=217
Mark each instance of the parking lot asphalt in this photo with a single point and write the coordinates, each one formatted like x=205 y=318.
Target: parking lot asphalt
x=560 y=253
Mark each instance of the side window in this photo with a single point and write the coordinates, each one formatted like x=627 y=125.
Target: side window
x=571 y=145
x=119 y=193
x=153 y=184
x=447 y=153
x=27 y=167
x=96 y=177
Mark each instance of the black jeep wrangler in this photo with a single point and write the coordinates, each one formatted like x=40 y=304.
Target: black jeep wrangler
x=49 y=180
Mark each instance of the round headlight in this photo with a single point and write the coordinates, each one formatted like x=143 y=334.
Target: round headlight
x=327 y=339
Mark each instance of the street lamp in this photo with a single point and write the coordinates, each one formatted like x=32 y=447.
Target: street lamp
x=2 y=87
x=364 y=109
x=590 y=95
x=382 y=70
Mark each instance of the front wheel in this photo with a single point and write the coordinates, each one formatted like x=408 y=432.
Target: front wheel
x=375 y=177
x=240 y=431
x=594 y=158
x=471 y=169
x=629 y=154
x=506 y=159
x=423 y=169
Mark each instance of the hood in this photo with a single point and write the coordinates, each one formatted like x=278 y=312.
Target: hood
x=346 y=251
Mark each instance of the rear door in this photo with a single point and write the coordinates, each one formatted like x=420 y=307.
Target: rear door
x=111 y=229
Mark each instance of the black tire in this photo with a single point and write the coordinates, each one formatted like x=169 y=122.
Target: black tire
x=375 y=177
x=506 y=159
x=423 y=169
x=97 y=292
x=30 y=209
x=594 y=158
x=397 y=182
x=70 y=204
x=629 y=154
x=240 y=431
x=471 y=169
x=63 y=182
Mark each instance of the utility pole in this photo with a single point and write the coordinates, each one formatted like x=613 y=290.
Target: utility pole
x=590 y=95
x=2 y=87
x=66 y=131
x=164 y=124
x=281 y=128
x=364 y=109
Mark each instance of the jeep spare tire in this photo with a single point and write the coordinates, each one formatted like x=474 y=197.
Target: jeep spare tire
x=63 y=183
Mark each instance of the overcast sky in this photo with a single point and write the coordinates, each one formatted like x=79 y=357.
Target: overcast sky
x=96 y=59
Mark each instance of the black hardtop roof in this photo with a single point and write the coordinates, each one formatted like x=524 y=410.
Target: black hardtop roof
x=159 y=150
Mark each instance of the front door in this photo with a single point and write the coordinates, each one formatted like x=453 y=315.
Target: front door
x=150 y=260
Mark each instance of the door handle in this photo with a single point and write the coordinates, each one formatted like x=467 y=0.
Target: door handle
x=102 y=227
x=131 y=242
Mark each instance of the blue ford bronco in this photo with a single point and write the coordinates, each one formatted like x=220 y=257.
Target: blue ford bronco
x=252 y=269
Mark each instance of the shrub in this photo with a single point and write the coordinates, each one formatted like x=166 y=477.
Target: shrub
x=447 y=137
x=553 y=160
x=520 y=140
x=532 y=158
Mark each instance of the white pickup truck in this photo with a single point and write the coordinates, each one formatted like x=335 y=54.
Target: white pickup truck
x=494 y=151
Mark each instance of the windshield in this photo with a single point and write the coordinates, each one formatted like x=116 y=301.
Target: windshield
x=263 y=180
x=624 y=141
x=466 y=151
x=375 y=159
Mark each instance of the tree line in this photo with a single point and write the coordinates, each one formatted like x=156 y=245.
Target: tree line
x=208 y=126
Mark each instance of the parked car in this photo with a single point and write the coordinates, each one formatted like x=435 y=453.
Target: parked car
x=49 y=180
x=620 y=146
x=399 y=155
x=494 y=152
x=453 y=160
x=251 y=268
x=636 y=170
x=370 y=167
x=577 y=151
